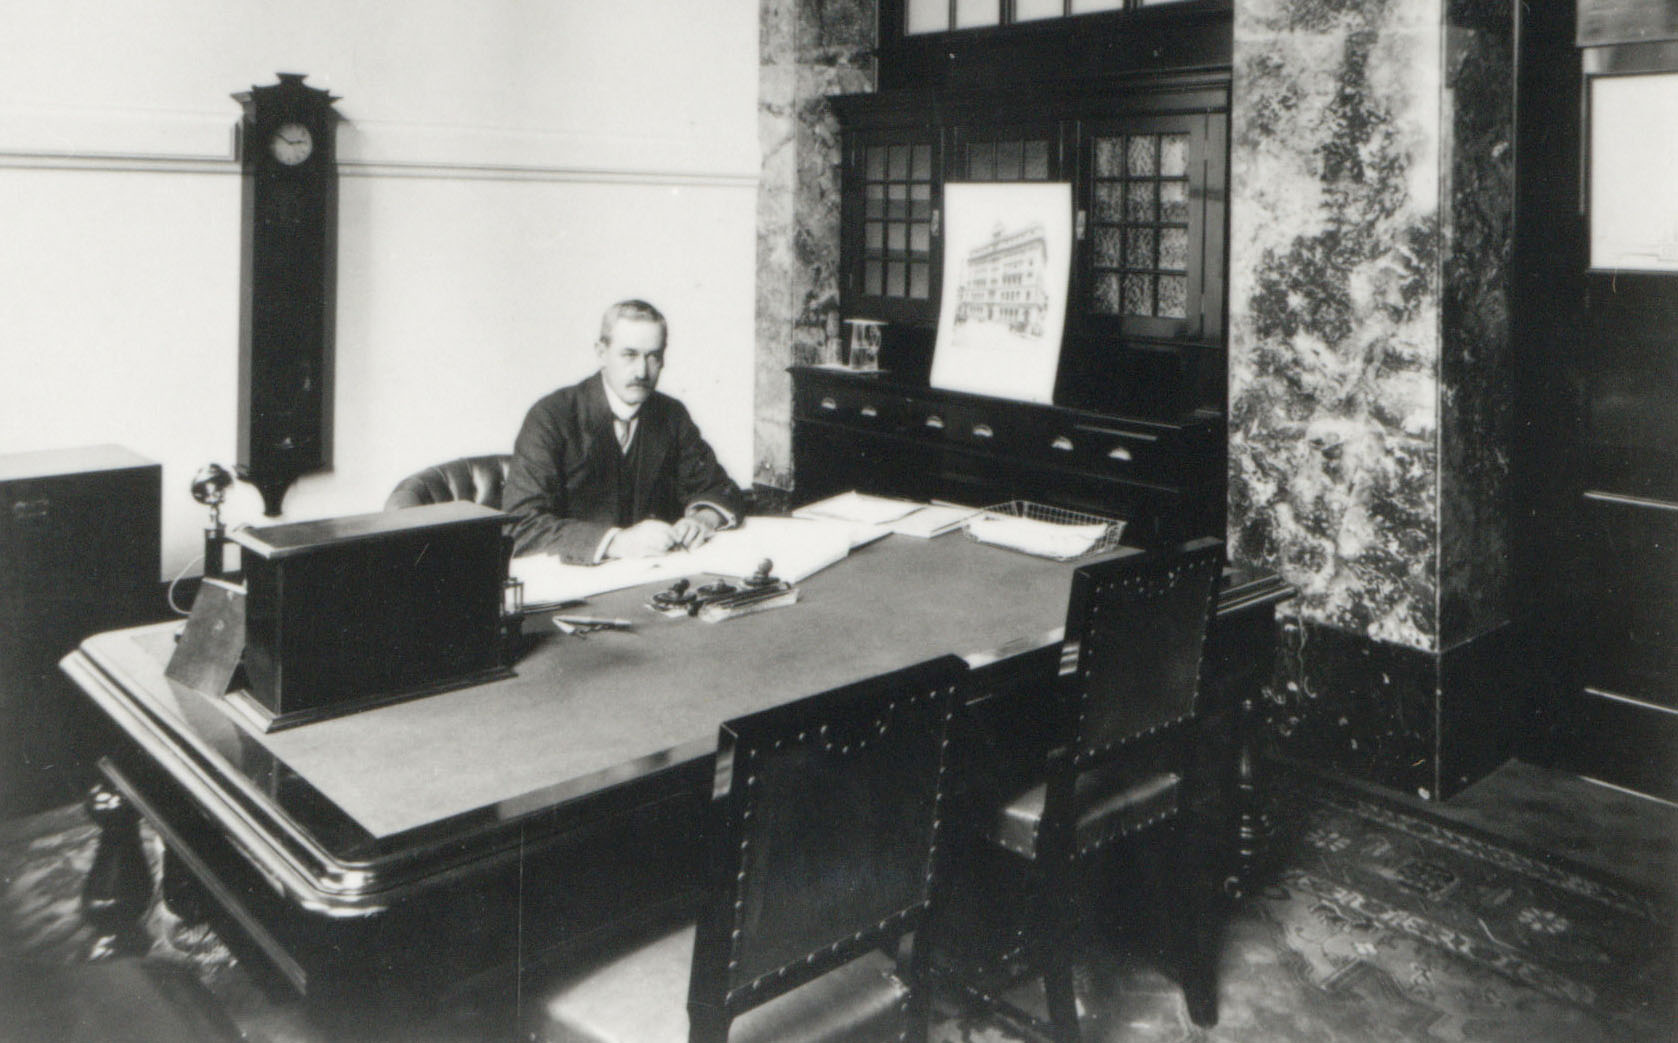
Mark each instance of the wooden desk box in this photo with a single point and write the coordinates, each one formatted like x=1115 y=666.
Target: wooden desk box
x=346 y=613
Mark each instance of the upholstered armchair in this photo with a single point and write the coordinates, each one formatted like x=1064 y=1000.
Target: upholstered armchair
x=475 y=478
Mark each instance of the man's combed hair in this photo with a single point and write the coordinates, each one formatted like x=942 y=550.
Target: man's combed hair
x=637 y=310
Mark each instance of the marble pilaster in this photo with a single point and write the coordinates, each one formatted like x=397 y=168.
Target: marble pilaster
x=1370 y=388
x=808 y=50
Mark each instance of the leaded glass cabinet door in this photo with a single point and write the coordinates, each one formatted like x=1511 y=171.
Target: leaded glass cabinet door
x=1150 y=226
x=893 y=244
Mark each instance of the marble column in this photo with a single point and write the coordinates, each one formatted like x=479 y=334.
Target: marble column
x=1370 y=378
x=808 y=49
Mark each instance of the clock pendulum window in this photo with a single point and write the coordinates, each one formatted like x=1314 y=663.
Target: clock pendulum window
x=288 y=239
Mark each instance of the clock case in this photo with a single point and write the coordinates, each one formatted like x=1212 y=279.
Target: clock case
x=287 y=280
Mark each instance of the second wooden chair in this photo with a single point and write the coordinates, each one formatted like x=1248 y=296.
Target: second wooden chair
x=823 y=838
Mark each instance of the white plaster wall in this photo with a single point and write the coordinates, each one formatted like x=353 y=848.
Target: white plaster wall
x=507 y=168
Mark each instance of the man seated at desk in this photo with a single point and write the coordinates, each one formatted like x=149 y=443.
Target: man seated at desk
x=610 y=468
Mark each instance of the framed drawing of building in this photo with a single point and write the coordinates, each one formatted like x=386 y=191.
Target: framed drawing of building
x=1007 y=259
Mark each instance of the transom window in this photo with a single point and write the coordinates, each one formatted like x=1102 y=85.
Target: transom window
x=937 y=16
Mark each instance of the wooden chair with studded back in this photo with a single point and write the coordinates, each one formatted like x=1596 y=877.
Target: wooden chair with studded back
x=823 y=836
x=1124 y=700
x=476 y=478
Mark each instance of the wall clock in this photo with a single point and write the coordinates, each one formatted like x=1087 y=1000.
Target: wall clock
x=288 y=238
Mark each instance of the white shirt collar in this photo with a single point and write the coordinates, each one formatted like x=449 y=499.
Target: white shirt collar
x=620 y=409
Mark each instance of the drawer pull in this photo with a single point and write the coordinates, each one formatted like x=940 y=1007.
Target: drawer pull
x=1118 y=452
x=983 y=431
x=829 y=404
x=869 y=411
x=1061 y=442
x=935 y=422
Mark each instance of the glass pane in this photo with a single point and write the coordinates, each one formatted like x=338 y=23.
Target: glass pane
x=1032 y=10
x=897 y=237
x=1107 y=293
x=970 y=13
x=900 y=162
x=981 y=162
x=920 y=237
x=1139 y=248
x=1174 y=248
x=1174 y=201
x=927 y=16
x=1141 y=153
x=1107 y=244
x=895 y=283
x=1036 y=161
x=1109 y=202
x=920 y=277
x=922 y=164
x=1107 y=157
x=1008 y=161
x=899 y=206
x=875 y=235
x=920 y=202
x=1088 y=6
x=876 y=201
x=1139 y=201
x=1173 y=296
x=1173 y=155
x=876 y=163
x=1151 y=3
x=873 y=279
x=1138 y=295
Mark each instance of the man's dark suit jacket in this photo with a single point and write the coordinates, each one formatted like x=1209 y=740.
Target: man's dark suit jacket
x=562 y=487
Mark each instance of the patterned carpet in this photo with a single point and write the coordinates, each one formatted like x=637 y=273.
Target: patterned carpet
x=1377 y=923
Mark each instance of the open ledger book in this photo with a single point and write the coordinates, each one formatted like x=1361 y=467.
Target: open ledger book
x=798 y=548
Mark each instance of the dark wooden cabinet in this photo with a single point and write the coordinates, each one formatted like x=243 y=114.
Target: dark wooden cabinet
x=80 y=536
x=1137 y=429
x=1147 y=158
x=880 y=435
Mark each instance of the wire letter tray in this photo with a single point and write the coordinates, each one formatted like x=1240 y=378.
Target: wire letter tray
x=1047 y=532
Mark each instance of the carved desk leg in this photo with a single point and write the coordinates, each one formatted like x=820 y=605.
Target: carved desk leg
x=118 y=887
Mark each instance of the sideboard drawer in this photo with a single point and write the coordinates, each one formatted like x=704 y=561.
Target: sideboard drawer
x=1113 y=450
x=857 y=405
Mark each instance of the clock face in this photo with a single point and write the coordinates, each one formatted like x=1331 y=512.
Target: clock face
x=292 y=144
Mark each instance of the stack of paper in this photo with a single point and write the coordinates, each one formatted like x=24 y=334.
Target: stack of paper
x=796 y=549
x=1045 y=539
x=857 y=508
x=875 y=516
x=932 y=520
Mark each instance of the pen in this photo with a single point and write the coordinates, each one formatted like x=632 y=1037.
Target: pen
x=562 y=621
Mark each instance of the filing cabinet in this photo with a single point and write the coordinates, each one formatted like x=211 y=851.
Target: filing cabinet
x=80 y=537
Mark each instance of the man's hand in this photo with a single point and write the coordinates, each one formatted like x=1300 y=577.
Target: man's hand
x=644 y=539
x=696 y=528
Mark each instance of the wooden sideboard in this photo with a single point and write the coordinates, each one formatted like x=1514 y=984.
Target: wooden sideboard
x=869 y=432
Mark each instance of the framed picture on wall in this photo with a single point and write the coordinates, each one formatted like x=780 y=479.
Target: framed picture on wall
x=1007 y=260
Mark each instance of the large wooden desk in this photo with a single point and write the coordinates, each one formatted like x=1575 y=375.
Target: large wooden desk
x=420 y=842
